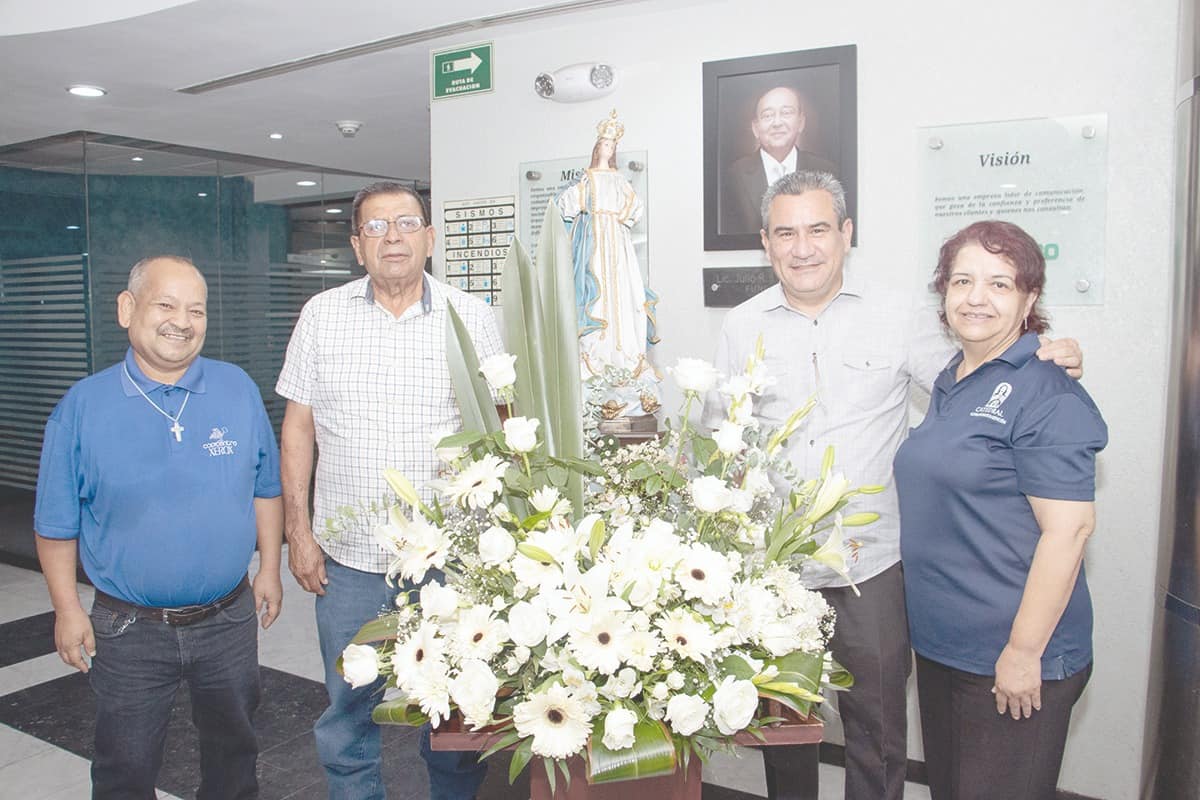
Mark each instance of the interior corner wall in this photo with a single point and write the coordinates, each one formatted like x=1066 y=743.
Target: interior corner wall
x=921 y=63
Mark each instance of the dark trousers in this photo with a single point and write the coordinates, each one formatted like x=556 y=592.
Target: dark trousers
x=871 y=641
x=140 y=664
x=974 y=753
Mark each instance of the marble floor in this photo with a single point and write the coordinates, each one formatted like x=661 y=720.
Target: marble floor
x=46 y=718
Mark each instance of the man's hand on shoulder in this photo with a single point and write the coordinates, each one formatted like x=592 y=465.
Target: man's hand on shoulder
x=1063 y=352
x=268 y=595
x=74 y=637
x=306 y=560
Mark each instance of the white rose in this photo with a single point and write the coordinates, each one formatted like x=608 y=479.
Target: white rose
x=474 y=691
x=496 y=546
x=527 y=624
x=741 y=501
x=438 y=600
x=618 y=729
x=360 y=665
x=734 y=704
x=686 y=713
x=694 y=375
x=710 y=494
x=757 y=481
x=498 y=370
x=729 y=438
x=520 y=433
x=675 y=680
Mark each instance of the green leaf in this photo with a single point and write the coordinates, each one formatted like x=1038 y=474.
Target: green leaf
x=520 y=758
x=704 y=449
x=801 y=707
x=507 y=740
x=548 y=764
x=558 y=475
x=398 y=712
x=461 y=439
x=382 y=629
x=736 y=666
x=556 y=286
x=470 y=389
x=524 y=337
x=652 y=753
x=654 y=484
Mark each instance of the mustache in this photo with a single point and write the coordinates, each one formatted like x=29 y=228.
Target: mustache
x=175 y=330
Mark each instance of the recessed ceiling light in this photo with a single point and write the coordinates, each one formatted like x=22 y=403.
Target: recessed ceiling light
x=306 y=183
x=274 y=135
x=333 y=211
x=80 y=90
x=72 y=227
x=137 y=158
x=201 y=194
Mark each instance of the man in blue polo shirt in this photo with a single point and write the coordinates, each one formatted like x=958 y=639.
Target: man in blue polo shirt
x=160 y=473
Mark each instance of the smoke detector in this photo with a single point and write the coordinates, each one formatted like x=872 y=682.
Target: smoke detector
x=348 y=127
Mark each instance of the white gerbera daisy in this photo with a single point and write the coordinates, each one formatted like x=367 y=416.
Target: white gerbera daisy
x=421 y=651
x=600 y=643
x=479 y=482
x=556 y=720
x=686 y=634
x=479 y=634
x=704 y=574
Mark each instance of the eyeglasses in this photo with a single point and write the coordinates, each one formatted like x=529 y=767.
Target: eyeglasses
x=787 y=114
x=405 y=223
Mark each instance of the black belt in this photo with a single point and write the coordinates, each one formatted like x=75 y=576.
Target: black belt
x=186 y=615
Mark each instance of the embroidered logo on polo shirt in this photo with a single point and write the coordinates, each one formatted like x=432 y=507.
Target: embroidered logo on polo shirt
x=218 y=445
x=991 y=410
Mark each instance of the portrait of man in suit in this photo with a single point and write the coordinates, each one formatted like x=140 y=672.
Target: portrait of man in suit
x=769 y=115
x=778 y=126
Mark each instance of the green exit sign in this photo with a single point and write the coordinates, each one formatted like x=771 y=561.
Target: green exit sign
x=463 y=70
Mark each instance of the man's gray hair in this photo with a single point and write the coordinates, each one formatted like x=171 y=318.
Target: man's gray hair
x=386 y=187
x=806 y=181
x=137 y=275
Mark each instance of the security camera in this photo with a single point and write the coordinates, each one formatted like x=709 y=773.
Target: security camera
x=576 y=83
x=348 y=127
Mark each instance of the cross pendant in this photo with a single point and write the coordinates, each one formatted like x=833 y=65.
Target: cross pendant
x=177 y=429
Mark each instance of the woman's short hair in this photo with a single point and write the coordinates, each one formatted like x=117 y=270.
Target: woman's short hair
x=1012 y=244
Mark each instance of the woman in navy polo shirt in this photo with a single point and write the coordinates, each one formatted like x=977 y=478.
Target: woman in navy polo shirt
x=996 y=490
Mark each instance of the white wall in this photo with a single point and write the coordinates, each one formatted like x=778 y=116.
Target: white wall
x=922 y=63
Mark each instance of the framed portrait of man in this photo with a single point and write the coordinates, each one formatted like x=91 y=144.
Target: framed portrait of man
x=766 y=116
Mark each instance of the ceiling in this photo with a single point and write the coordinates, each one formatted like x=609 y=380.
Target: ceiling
x=144 y=51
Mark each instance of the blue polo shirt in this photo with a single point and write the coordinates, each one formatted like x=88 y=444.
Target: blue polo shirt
x=160 y=523
x=1016 y=426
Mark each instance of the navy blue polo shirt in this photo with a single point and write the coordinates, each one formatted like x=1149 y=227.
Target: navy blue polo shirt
x=1016 y=426
x=160 y=523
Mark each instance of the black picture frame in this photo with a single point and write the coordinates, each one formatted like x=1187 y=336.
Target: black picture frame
x=826 y=81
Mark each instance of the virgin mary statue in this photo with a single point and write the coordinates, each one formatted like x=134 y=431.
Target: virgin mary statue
x=615 y=309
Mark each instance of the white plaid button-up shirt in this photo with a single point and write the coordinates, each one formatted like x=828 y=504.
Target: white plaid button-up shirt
x=379 y=387
x=859 y=357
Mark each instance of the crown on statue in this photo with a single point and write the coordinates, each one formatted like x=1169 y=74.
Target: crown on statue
x=611 y=128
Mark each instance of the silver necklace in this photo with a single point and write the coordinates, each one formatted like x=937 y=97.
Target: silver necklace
x=176 y=429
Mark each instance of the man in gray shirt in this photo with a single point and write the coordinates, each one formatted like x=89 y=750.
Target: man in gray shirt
x=828 y=336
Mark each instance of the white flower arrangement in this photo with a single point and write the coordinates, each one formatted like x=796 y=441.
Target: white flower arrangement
x=664 y=609
x=633 y=605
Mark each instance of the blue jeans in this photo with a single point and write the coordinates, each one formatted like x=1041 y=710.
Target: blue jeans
x=138 y=667
x=348 y=741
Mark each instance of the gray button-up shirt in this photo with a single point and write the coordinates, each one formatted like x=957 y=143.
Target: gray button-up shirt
x=859 y=357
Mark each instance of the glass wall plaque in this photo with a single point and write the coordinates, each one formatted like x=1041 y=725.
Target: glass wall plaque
x=542 y=181
x=1046 y=175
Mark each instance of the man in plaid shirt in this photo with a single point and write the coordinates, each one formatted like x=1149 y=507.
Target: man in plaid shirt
x=366 y=382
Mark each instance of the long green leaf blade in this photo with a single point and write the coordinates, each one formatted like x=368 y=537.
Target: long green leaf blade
x=556 y=284
x=398 y=712
x=470 y=389
x=523 y=327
